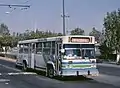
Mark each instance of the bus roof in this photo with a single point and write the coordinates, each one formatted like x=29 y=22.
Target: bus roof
x=50 y=39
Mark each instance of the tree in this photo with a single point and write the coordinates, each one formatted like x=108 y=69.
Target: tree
x=4 y=29
x=105 y=50
x=97 y=34
x=77 y=31
x=4 y=36
x=112 y=30
x=59 y=34
x=6 y=40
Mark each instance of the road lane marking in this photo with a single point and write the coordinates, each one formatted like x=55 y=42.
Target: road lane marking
x=6 y=83
x=10 y=68
x=19 y=73
x=22 y=73
x=4 y=80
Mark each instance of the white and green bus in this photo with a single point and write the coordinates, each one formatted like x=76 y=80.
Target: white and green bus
x=59 y=56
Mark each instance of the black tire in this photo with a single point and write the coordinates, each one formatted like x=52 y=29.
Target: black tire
x=16 y=66
x=24 y=67
x=50 y=72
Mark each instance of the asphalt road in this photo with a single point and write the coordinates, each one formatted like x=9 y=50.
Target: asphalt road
x=11 y=77
x=109 y=69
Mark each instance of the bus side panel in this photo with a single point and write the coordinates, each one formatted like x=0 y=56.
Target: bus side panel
x=26 y=58
x=22 y=57
x=39 y=61
x=19 y=59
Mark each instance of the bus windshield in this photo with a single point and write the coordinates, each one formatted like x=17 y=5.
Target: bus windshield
x=73 y=52
x=88 y=53
x=79 y=50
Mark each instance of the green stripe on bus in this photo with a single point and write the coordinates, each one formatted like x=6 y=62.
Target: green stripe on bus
x=78 y=65
x=81 y=66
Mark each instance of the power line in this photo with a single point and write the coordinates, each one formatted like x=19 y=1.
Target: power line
x=15 y=5
x=22 y=1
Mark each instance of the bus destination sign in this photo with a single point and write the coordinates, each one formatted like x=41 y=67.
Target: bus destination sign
x=79 y=40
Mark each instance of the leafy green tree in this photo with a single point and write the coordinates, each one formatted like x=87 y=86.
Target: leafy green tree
x=5 y=38
x=77 y=31
x=105 y=50
x=6 y=41
x=112 y=30
x=4 y=29
x=97 y=34
x=59 y=34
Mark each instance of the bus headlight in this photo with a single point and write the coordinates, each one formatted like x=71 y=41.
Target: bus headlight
x=93 y=65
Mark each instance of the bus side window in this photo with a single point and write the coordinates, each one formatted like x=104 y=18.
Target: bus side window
x=60 y=45
x=38 y=48
x=47 y=48
x=33 y=48
x=20 y=50
x=53 y=47
x=26 y=50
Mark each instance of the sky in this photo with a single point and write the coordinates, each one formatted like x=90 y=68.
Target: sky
x=46 y=14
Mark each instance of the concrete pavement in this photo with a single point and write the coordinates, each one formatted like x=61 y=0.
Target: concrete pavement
x=8 y=59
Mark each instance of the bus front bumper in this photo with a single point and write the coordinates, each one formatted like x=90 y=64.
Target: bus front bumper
x=78 y=72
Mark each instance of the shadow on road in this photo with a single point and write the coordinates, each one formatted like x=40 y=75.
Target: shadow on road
x=73 y=78
x=68 y=78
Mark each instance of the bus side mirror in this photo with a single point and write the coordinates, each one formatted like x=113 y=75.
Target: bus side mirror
x=62 y=50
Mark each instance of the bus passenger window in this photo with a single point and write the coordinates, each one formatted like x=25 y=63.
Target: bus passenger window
x=38 y=48
x=21 y=50
x=25 y=50
x=53 y=47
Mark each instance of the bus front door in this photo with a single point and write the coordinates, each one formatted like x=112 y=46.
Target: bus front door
x=31 y=55
x=57 y=54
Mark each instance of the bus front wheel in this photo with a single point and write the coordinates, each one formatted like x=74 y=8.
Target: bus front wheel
x=24 y=68
x=50 y=72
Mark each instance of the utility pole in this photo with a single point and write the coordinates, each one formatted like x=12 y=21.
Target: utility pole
x=64 y=16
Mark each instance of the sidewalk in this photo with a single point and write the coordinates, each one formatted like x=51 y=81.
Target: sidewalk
x=111 y=62
x=8 y=59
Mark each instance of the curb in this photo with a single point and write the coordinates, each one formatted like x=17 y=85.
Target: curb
x=8 y=59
